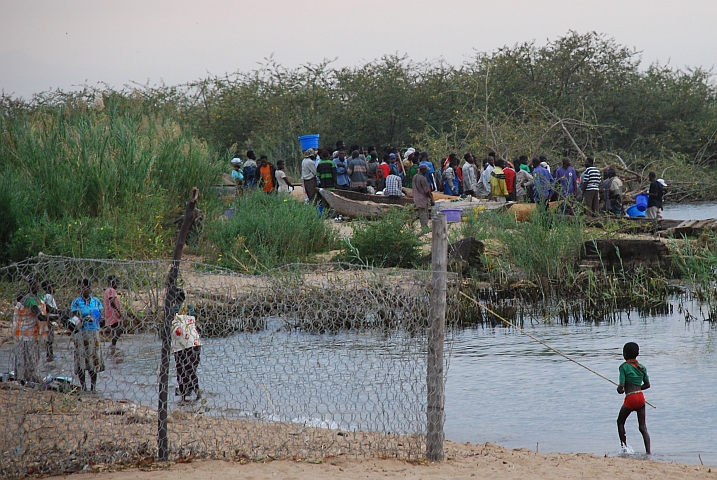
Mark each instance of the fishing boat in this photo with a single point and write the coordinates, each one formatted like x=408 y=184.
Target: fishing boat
x=354 y=204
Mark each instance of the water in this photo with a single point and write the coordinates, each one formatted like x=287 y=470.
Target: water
x=502 y=387
x=690 y=211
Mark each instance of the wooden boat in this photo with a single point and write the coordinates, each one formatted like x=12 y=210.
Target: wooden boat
x=347 y=207
x=365 y=197
x=472 y=205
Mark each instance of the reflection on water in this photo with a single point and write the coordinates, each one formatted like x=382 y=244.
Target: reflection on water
x=504 y=387
x=690 y=211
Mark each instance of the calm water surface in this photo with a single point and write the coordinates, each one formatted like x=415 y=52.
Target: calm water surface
x=690 y=211
x=504 y=387
x=501 y=387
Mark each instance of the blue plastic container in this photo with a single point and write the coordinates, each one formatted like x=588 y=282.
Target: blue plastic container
x=309 y=141
x=635 y=211
x=641 y=202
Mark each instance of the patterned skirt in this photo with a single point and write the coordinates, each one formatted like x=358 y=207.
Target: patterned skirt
x=88 y=355
x=27 y=361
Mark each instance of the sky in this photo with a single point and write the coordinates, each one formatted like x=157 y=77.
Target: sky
x=69 y=43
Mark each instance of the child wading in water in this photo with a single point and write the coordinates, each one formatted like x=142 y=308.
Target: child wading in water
x=633 y=380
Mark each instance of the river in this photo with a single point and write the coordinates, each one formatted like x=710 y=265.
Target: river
x=690 y=211
x=501 y=387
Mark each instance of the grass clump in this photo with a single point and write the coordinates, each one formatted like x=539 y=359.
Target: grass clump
x=267 y=231
x=389 y=241
x=547 y=247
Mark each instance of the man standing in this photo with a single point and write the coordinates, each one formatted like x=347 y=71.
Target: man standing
x=655 y=194
x=308 y=174
x=566 y=179
x=249 y=170
x=343 y=182
x=498 y=186
x=470 y=176
x=422 y=197
x=488 y=165
x=590 y=185
x=543 y=182
x=357 y=173
x=326 y=171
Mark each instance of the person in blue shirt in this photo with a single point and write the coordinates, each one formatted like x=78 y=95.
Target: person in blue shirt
x=88 y=356
x=543 y=183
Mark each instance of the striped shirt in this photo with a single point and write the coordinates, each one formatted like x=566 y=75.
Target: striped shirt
x=592 y=176
x=357 y=173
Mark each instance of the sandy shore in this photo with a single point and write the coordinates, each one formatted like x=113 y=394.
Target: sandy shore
x=464 y=461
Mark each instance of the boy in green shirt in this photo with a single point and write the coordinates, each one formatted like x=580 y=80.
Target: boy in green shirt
x=633 y=380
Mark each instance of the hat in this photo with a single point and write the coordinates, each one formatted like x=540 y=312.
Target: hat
x=391 y=155
x=409 y=152
x=661 y=182
x=423 y=166
x=236 y=161
x=309 y=152
x=544 y=164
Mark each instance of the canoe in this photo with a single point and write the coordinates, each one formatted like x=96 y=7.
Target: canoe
x=469 y=206
x=347 y=207
x=366 y=197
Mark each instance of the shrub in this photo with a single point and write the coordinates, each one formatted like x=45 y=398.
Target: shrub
x=266 y=231
x=389 y=241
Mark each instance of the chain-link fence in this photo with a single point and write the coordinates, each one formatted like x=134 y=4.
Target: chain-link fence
x=303 y=362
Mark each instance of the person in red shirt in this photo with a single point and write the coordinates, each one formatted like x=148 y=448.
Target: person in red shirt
x=509 y=172
x=384 y=167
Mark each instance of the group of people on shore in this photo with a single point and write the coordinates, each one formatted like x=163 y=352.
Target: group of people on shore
x=36 y=317
x=365 y=170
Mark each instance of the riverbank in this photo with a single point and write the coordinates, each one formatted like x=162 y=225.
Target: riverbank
x=487 y=461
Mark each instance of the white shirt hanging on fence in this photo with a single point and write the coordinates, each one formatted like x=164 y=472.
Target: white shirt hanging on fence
x=184 y=333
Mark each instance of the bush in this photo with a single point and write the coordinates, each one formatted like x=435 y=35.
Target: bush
x=546 y=247
x=267 y=231
x=388 y=241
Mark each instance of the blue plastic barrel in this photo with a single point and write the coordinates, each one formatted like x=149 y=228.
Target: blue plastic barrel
x=635 y=211
x=641 y=202
x=309 y=141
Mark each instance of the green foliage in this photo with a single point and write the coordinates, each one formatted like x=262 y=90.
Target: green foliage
x=266 y=231
x=696 y=261
x=389 y=241
x=546 y=247
x=95 y=182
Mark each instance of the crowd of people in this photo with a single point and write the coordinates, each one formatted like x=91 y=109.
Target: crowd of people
x=493 y=178
x=36 y=316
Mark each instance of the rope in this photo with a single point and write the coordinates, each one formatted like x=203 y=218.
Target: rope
x=541 y=342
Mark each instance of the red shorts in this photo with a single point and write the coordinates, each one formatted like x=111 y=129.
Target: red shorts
x=634 y=401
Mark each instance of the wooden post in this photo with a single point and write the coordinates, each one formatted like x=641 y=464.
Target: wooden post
x=436 y=334
x=170 y=299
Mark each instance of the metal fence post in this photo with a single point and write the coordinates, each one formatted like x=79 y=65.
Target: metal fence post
x=436 y=333
x=170 y=300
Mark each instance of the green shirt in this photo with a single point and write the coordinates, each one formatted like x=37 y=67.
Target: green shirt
x=633 y=375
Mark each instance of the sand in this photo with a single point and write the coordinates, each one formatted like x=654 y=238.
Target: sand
x=465 y=461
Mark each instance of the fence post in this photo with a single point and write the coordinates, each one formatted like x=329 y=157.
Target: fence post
x=436 y=334
x=170 y=299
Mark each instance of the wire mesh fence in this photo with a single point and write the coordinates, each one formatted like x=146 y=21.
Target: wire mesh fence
x=303 y=362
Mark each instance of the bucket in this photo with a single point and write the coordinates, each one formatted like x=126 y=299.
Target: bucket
x=641 y=202
x=309 y=141
x=452 y=214
x=635 y=211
